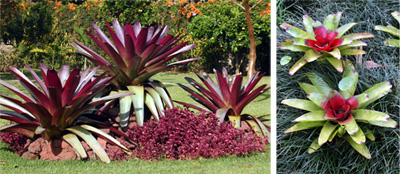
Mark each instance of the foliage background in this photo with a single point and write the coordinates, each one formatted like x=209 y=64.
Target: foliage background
x=218 y=27
x=338 y=156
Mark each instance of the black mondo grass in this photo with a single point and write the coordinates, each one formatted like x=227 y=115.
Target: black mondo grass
x=338 y=156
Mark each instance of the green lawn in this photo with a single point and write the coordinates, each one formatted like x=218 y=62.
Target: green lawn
x=254 y=163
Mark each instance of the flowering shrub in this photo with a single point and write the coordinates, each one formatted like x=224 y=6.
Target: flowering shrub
x=183 y=135
x=15 y=140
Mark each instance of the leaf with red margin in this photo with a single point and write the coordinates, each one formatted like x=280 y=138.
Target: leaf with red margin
x=223 y=85
x=38 y=80
x=26 y=129
x=93 y=55
x=140 y=43
x=100 y=34
x=33 y=90
x=246 y=100
x=16 y=91
x=54 y=80
x=117 y=59
x=250 y=85
x=214 y=97
x=235 y=90
x=189 y=105
x=69 y=88
x=200 y=98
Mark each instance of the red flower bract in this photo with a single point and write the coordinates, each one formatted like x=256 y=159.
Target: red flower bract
x=325 y=41
x=339 y=109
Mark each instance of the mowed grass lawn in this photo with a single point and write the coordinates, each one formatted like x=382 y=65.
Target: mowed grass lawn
x=254 y=163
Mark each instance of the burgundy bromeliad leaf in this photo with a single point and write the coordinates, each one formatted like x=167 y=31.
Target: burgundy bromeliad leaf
x=137 y=52
x=61 y=99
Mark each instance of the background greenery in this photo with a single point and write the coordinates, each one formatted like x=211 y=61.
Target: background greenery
x=218 y=27
x=254 y=163
x=338 y=156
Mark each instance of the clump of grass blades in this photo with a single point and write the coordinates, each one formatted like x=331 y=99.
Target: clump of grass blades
x=338 y=156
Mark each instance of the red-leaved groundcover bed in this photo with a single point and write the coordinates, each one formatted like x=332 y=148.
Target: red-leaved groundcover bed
x=179 y=135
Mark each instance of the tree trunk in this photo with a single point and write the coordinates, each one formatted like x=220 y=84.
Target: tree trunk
x=251 y=67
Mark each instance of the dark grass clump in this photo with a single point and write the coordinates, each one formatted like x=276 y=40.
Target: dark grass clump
x=338 y=156
x=14 y=140
x=181 y=134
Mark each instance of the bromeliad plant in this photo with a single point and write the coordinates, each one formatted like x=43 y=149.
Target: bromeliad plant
x=323 y=41
x=228 y=98
x=391 y=30
x=137 y=54
x=61 y=109
x=339 y=112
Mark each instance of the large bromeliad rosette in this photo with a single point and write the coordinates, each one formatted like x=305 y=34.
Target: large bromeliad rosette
x=339 y=112
x=323 y=41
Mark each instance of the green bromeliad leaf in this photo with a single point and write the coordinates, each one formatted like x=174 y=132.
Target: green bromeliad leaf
x=369 y=115
x=358 y=137
x=138 y=102
x=75 y=143
x=302 y=104
x=390 y=123
x=307 y=20
x=392 y=42
x=308 y=88
x=125 y=105
x=305 y=125
x=320 y=84
x=355 y=43
x=360 y=148
x=285 y=60
x=368 y=134
x=356 y=36
x=327 y=130
x=91 y=141
x=329 y=23
x=376 y=92
x=296 y=32
x=317 y=98
x=388 y=29
x=288 y=45
x=348 y=87
x=300 y=63
x=335 y=53
x=311 y=55
x=338 y=64
x=314 y=146
x=352 y=52
x=350 y=125
x=344 y=28
x=312 y=116
x=346 y=83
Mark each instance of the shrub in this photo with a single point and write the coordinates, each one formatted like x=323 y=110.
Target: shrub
x=15 y=140
x=183 y=135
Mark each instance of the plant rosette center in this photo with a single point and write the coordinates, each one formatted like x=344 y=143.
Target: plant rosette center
x=324 y=40
x=339 y=109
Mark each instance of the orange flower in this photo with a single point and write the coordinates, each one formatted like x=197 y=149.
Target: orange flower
x=170 y=3
x=71 y=6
